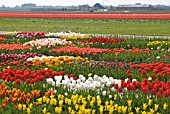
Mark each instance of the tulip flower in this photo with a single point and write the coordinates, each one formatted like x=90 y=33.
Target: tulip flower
x=28 y=111
x=119 y=109
x=149 y=102
x=165 y=106
x=101 y=109
x=44 y=111
x=124 y=109
x=137 y=109
x=156 y=107
x=151 y=111
x=144 y=106
x=143 y=112
x=129 y=102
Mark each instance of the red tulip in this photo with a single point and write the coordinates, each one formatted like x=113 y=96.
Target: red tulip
x=18 y=82
x=119 y=90
x=116 y=86
x=159 y=95
x=153 y=91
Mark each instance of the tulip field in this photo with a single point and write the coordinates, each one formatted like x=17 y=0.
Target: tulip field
x=74 y=73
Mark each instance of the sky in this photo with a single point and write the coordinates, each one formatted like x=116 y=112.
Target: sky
x=13 y=3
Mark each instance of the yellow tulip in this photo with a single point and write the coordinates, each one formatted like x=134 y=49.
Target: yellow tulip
x=72 y=112
x=69 y=109
x=149 y=102
x=61 y=103
x=69 y=102
x=79 y=100
x=28 y=111
x=137 y=109
x=165 y=106
x=92 y=103
x=156 y=107
x=101 y=109
x=84 y=103
x=93 y=99
x=93 y=111
x=143 y=112
x=115 y=97
x=79 y=112
x=106 y=103
x=59 y=96
x=116 y=106
x=30 y=106
x=98 y=102
x=144 y=106
x=75 y=102
x=82 y=109
x=89 y=97
x=77 y=107
x=44 y=111
x=44 y=98
x=124 y=109
x=111 y=110
x=19 y=107
x=129 y=102
x=39 y=101
x=151 y=111
x=119 y=109
x=111 y=102
x=58 y=110
x=24 y=107
x=53 y=101
x=47 y=101
x=131 y=113
x=66 y=100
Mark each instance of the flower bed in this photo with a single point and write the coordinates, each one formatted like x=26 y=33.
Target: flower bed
x=101 y=76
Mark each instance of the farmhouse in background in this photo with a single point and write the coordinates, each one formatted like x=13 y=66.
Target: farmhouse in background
x=134 y=7
x=29 y=5
x=85 y=7
x=98 y=7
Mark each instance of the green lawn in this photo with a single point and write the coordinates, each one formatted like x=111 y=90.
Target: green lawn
x=130 y=27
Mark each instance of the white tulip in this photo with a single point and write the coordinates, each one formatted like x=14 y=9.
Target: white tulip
x=102 y=86
x=83 y=79
x=104 y=93
x=108 y=83
x=53 y=83
x=78 y=80
x=65 y=93
x=110 y=96
x=95 y=77
x=49 y=80
x=113 y=89
x=81 y=76
x=98 y=96
x=66 y=77
x=90 y=79
x=57 y=84
x=90 y=74
x=98 y=84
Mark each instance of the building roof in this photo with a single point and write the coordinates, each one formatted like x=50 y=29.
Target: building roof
x=134 y=5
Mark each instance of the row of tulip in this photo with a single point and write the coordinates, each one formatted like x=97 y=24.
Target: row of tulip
x=13 y=47
x=6 y=57
x=47 y=42
x=95 y=51
x=52 y=101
